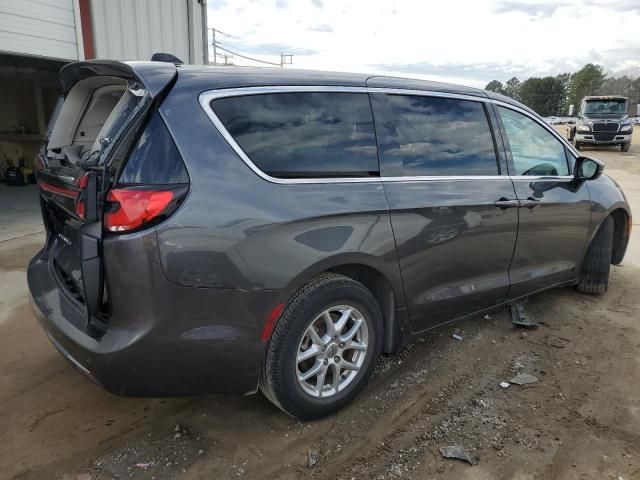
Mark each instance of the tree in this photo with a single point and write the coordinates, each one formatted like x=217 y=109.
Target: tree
x=586 y=81
x=495 y=86
x=512 y=88
x=544 y=95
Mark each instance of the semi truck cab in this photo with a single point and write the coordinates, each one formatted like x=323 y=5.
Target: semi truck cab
x=603 y=120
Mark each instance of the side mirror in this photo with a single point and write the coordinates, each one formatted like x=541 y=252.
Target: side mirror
x=587 y=169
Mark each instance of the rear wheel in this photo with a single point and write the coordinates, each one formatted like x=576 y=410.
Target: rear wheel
x=324 y=347
x=625 y=147
x=594 y=276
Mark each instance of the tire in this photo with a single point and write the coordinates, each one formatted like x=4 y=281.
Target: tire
x=594 y=275
x=625 y=147
x=281 y=371
x=578 y=146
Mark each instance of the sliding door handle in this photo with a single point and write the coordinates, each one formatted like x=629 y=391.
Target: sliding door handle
x=530 y=203
x=505 y=203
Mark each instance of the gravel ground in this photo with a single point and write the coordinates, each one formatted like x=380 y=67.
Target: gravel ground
x=580 y=420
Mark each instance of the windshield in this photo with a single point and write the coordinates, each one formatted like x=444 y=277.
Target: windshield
x=605 y=107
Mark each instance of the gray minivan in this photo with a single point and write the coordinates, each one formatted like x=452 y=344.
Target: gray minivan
x=224 y=229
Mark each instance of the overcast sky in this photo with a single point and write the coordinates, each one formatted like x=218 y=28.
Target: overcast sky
x=462 y=41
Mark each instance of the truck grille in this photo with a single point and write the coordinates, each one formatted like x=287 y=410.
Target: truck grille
x=605 y=127
x=603 y=137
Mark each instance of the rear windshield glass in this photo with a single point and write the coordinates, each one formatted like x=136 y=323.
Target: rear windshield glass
x=303 y=134
x=432 y=136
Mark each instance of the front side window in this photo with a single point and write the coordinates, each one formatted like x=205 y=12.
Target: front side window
x=436 y=136
x=318 y=134
x=534 y=150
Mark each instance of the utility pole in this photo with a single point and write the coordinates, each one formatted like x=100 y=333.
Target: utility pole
x=215 y=56
x=285 y=59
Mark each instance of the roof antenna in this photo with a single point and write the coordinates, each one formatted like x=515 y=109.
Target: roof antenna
x=166 y=57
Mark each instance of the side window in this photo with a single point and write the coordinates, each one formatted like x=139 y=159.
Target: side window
x=439 y=136
x=535 y=151
x=303 y=134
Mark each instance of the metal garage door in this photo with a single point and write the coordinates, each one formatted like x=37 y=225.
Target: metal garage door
x=42 y=27
x=126 y=30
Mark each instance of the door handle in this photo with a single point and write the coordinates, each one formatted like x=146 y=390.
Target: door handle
x=505 y=203
x=531 y=203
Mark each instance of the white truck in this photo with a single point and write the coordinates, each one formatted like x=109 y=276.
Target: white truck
x=603 y=120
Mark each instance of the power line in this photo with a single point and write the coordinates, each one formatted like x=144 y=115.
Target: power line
x=285 y=59
x=225 y=49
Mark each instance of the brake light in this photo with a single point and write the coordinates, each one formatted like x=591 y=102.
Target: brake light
x=132 y=208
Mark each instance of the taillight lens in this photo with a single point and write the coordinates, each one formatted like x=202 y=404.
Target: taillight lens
x=133 y=208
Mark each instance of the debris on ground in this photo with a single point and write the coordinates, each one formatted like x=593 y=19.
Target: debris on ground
x=519 y=317
x=556 y=342
x=524 y=379
x=458 y=452
x=312 y=458
x=457 y=335
x=504 y=384
x=487 y=317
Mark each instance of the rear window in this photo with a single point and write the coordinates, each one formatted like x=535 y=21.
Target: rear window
x=155 y=158
x=433 y=136
x=303 y=134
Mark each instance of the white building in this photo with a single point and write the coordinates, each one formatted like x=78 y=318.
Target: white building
x=37 y=37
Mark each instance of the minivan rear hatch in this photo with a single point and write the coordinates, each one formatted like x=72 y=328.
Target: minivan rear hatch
x=102 y=103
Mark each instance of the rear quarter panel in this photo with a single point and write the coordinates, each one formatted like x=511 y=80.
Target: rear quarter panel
x=238 y=230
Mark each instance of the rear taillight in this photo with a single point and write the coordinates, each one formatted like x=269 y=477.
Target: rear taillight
x=81 y=199
x=132 y=208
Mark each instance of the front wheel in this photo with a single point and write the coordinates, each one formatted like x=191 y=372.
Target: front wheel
x=324 y=347
x=625 y=147
x=578 y=146
x=594 y=275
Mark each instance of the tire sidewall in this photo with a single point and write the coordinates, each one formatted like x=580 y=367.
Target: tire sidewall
x=348 y=293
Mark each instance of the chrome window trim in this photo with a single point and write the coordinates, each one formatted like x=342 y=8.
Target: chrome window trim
x=206 y=97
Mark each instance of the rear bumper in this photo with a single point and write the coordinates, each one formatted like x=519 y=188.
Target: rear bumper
x=589 y=138
x=162 y=339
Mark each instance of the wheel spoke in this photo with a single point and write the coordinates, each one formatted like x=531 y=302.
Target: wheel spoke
x=313 y=335
x=352 y=331
x=352 y=345
x=336 y=377
x=349 y=365
x=309 y=353
x=315 y=370
x=331 y=328
x=342 y=321
x=320 y=380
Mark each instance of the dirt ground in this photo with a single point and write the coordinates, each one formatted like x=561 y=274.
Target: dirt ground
x=581 y=420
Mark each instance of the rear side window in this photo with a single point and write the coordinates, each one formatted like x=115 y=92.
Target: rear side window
x=155 y=158
x=433 y=136
x=303 y=134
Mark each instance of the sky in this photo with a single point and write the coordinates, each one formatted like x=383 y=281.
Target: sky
x=469 y=42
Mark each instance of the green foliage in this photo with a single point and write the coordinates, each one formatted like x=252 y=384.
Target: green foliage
x=495 y=86
x=553 y=95
x=547 y=95
x=586 y=81
x=512 y=88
